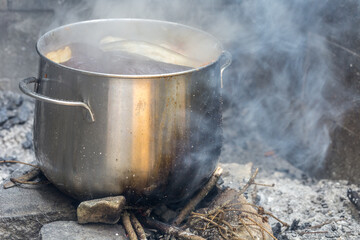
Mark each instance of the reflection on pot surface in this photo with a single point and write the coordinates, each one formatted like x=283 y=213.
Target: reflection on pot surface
x=152 y=133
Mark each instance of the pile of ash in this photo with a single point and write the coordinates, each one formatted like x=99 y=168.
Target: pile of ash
x=16 y=119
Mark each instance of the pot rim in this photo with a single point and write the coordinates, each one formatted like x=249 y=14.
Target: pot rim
x=42 y=56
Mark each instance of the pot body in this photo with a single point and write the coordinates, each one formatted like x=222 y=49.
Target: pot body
x=154 y=137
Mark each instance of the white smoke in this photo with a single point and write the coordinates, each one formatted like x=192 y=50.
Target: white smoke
x=282 y=65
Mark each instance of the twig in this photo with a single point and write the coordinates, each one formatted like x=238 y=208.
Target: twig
x=217 y=225
x=128 y=227
x=277 y=219
x=251 y=181
x=200 y=196
x=223 y=234
x=227 y=224
x=264 y=185
x=318 y=232
x=26 y=177
x=138 y=228
x=14 y=161
x=212 y=218
x=261 y=227
x=246 y=228
x=244 y=211
x=254 y=194
x=323 y=224
x=171 y=230
x=262 y=212
x=15 y=180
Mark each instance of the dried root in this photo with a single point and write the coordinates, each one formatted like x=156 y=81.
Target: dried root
x=171 y=230
x=231 y=220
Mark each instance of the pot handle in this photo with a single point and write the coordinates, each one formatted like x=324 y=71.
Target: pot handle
x=23 y=87
x=225 y=60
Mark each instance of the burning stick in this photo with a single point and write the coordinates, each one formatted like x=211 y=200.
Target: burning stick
x=200 y=196
x=23 y=179
x=171 y=230
x=128 y=227
x=138 y=228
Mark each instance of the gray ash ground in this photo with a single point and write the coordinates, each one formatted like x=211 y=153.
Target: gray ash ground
x=16 y=120
x=297 y=199
x=303 y=202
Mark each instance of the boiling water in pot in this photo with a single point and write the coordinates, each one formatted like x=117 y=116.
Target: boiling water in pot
x=122 y=57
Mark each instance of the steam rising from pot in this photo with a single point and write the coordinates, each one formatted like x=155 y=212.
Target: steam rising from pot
x=282 y=67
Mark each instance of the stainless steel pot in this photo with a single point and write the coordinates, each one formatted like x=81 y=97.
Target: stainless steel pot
x=152 y=136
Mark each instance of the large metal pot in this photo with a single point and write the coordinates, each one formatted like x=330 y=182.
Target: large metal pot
x=152 y=136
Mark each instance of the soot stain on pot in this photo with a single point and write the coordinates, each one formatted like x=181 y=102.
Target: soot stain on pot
x=196 y=151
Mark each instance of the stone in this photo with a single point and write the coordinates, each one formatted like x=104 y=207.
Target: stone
x=13 y=101
x=28 y=143
x=71 y=230
x=276 y=230
x=8 y=124
x=25 y=209
x=103 y=210
x=3 y=116
x=23 y=113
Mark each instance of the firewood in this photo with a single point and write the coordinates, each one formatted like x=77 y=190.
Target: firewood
x=23 y=179
x=138 y=228
x=171 y=230
x=128 y=226
x=200 y=196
